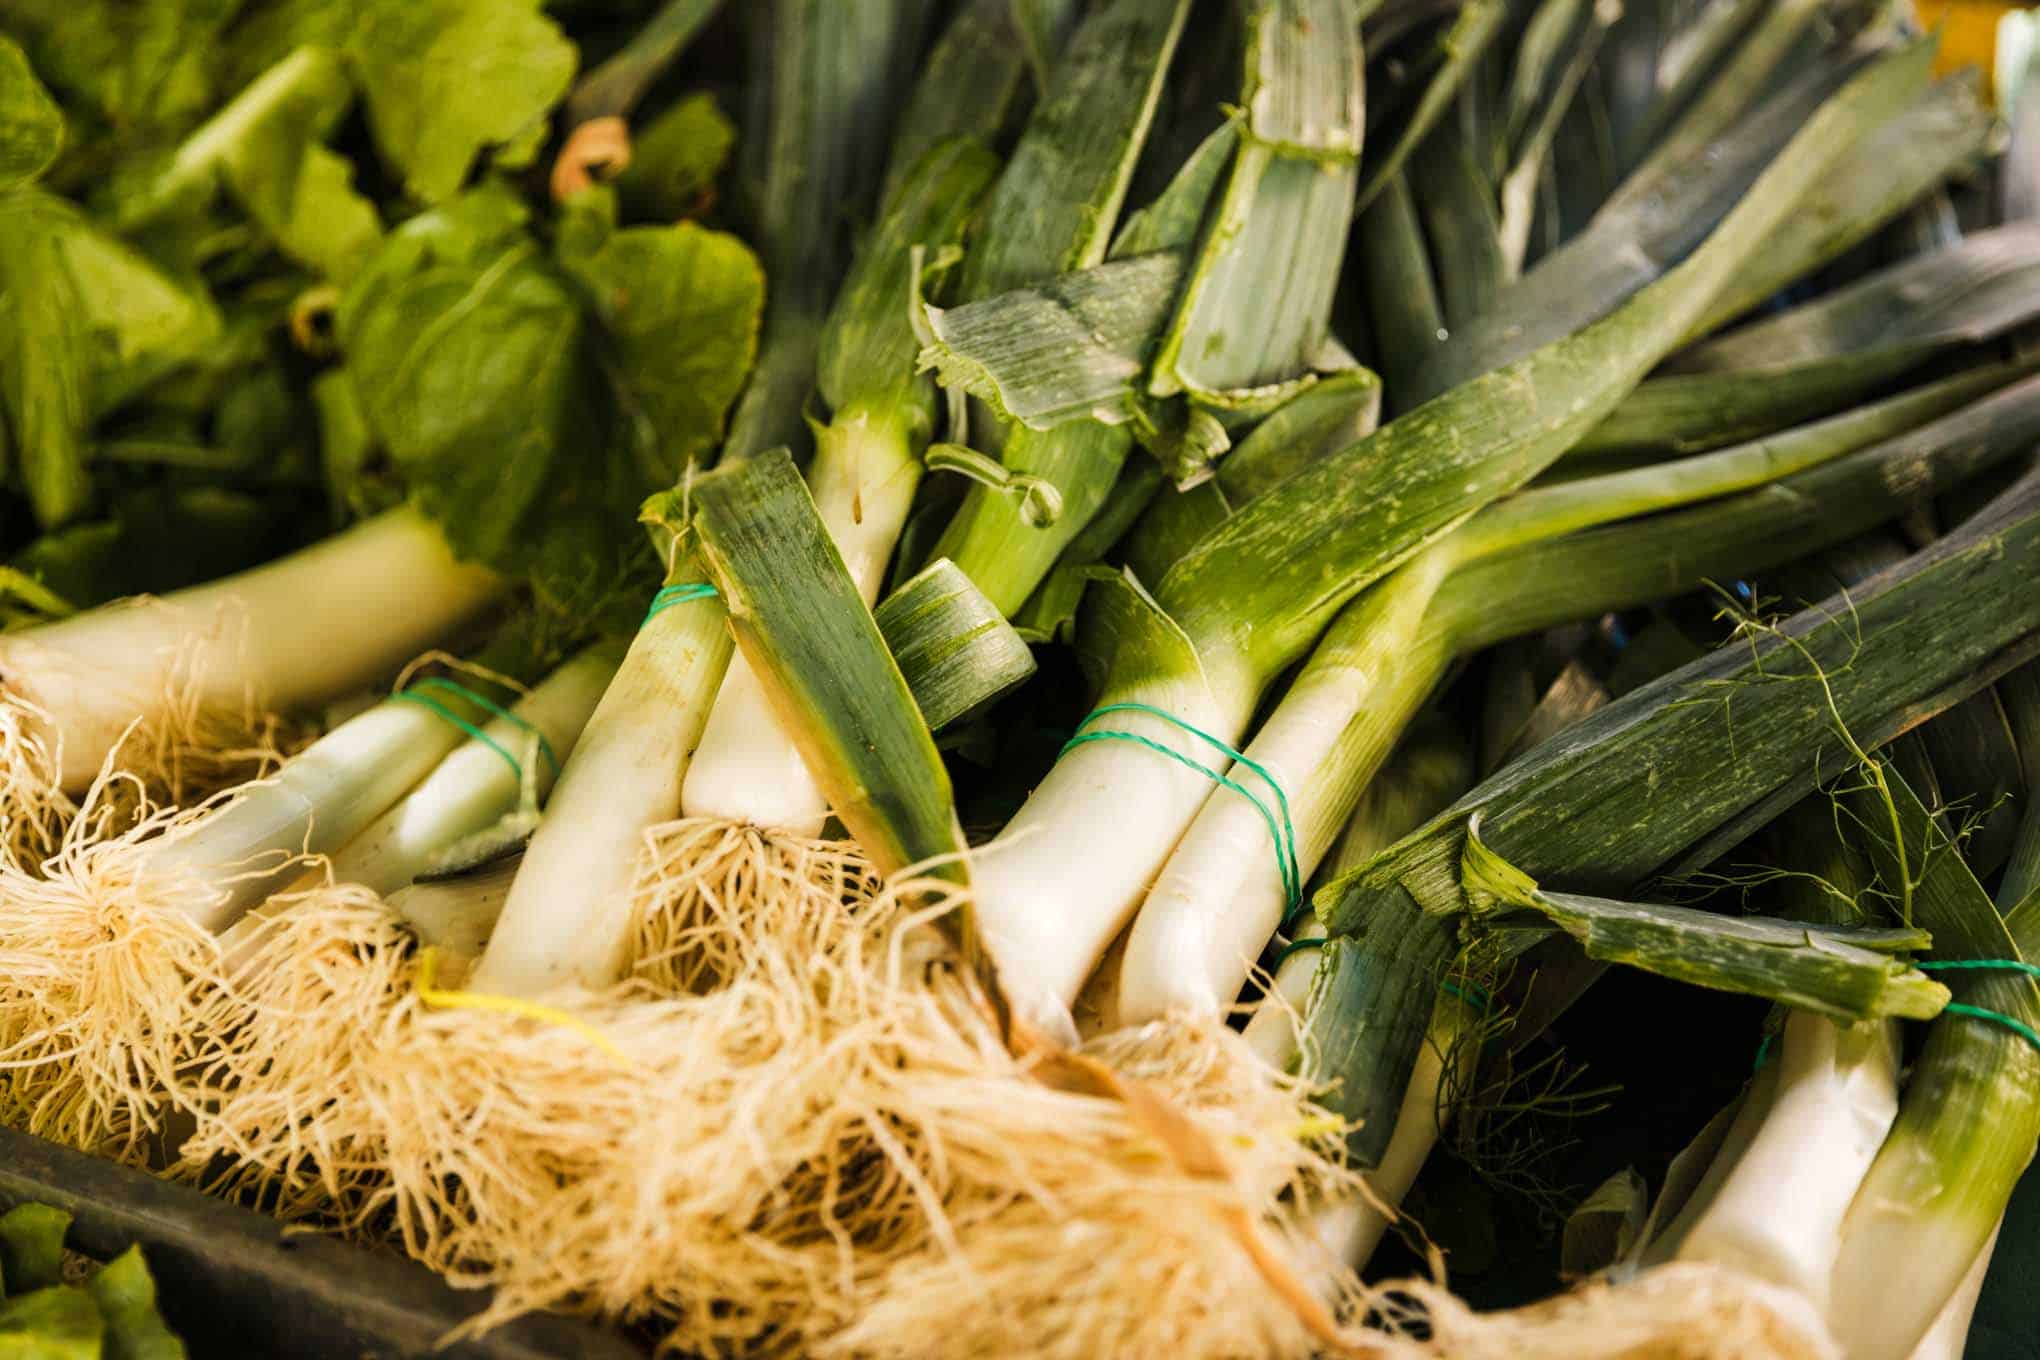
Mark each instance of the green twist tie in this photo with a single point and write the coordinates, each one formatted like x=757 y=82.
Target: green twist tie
x=1298 y=946
x=1470 y=994
x=1999 y=1018
x=669 y=596
x=481 y=701
x=1283 y=831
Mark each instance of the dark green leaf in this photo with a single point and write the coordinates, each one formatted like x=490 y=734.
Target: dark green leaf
x=32 y=1247
x=674 y=162
x=31 y=125
x=447 y=79
x=143 y=69
x=532 y=406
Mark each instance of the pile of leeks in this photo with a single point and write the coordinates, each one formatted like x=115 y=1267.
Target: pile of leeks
x=1631 y=405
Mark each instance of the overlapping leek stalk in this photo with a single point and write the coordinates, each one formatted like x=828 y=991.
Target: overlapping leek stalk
x=1651 y=781
x=1634 y=240
x=1967 y=1122
x=1241 y=338
x=867 y=466
x=826 y=105
x=826 y=669
x=1220 y=897
x=1249 y=598
x=248 y=637
x=1829 y=353
x=566 y=919
x=1052 y=212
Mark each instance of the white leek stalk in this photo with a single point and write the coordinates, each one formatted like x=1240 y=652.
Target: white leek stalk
x=1949 y=1336
x=1221 y=895
x=747 y=769
x=318 y=801
x=475 y=787
x=457 y=915
x=567 y=919
x=309 y=626
x=1075 y=861
x=1778 y=1213
x=1745 y=1115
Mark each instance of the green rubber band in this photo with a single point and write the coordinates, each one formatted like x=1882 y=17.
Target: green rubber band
x=669 y=596
x=1298 y=946
x=1997 y=965
x=488 y=705
x=1283 y=832
x=1470 y=994
x=430 y=704
x=1999 y=1018
x=1763 y=1054
x=2016 y=1026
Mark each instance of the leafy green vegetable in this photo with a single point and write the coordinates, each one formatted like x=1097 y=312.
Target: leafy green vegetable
x=31 y=125
x=59 y=1323
x=126 y=1295
x=675 y=160
x=531 y=399
x=447 y=79
x=43 y=362
x=266 y=147
x=112 y=1314
x=142 y=69
x=32 y=1247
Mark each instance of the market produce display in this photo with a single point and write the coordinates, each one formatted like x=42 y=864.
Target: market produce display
x=54 y=1304
x=891 y=678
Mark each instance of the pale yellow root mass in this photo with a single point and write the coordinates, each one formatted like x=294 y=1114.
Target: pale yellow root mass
x=795 y=1132
x=100 y=965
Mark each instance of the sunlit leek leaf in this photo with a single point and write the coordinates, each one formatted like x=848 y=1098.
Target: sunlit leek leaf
x=957 y=652
x=833 y=684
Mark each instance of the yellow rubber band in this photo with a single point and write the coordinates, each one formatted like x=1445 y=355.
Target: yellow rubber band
x=440 y=998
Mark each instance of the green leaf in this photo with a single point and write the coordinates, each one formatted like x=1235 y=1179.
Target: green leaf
x=532 y=403
x=126 y=1295
x=85 y=322
x=59 y=1323
x=957 y=652
x=447 y=79
x=32 y=1247
x=31 y=125
x=1072 y=347
x=833 y=684
x=266 y=148
x=141 y=69
x=1844 y=972
x=44 y=364
x=678 y=311
x=676 y=159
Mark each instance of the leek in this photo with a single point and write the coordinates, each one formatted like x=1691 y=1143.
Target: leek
x=834 y=72
x=390 y=587
x=866 y=468
x=1249 y=598
x=1604 y=780
x=566 y=919
x=1219 y=897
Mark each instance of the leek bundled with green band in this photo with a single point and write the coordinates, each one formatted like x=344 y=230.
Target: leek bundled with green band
x=1249 y=598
